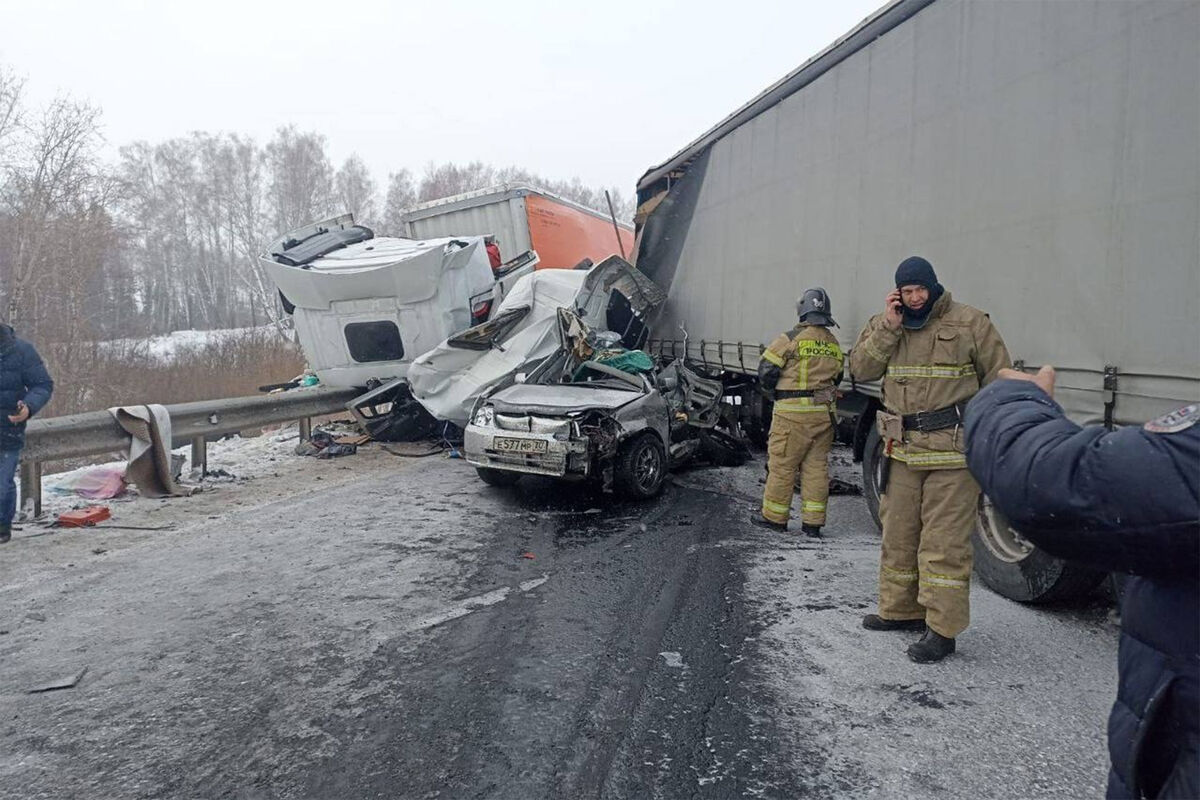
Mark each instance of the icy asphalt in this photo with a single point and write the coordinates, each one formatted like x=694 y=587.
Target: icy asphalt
x=384 y=627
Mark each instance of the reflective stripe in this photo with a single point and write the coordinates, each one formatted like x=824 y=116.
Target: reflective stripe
x=940 y=371
x=939 y=458
x=944 y=582
x=802 y=377
x=800 y=404
x=812 y=505
x=776 y=508
x=900 y=575
x=810 y=348
x=769 y=355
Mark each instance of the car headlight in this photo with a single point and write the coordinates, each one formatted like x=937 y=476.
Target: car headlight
x=485 y=417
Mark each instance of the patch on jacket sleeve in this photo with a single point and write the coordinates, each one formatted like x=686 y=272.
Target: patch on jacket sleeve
x=1178 y=420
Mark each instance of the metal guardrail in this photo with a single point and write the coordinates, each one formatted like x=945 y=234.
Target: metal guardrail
x=97 y=432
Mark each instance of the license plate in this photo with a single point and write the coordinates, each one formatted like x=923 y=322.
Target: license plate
x=506 y=445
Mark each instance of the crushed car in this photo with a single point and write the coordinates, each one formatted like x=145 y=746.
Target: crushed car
x=523 y=331
x=594 y=408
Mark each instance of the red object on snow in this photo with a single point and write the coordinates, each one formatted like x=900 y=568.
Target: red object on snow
x=82 y=517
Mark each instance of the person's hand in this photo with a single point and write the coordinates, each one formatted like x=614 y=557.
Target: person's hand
x=1044 y=377
x=21 y=415
x=893 y=310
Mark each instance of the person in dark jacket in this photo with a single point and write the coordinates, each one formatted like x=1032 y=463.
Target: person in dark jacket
x=1125 y=501
x=25 y=387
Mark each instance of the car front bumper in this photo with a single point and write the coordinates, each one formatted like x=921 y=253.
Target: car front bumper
x=561 y=458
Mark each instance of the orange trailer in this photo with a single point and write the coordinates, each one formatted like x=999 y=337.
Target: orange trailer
x=522 y=217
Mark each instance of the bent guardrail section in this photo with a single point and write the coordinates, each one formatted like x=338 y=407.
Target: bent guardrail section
x=97 y=432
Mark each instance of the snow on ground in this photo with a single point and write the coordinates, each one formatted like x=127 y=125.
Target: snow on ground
x=167 y=346
x=231 y=459
x=1019 y=711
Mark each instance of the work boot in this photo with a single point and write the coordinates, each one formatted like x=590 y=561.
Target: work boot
x=932 y=647
x=763 y=522
x=874 y=622
x=5 y=534
x=811 y=530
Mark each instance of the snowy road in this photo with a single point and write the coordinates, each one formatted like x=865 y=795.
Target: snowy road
x=385 y=627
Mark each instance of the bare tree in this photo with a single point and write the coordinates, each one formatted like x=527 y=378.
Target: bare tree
x=443 y=180
x=11 y=88
x=56 y=174
x=401 y=196
x=356 y=191
x=301 y=178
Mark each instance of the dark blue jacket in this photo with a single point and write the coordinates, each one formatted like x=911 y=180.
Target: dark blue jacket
x=1127 y=501
x=23 y=376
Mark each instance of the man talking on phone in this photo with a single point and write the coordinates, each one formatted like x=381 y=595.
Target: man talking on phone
x=25 y=387
x=933 y=355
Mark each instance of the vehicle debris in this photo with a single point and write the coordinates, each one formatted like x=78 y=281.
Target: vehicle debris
x=65 y=682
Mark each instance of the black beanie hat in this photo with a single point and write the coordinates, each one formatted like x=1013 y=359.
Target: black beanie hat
x=916 y=271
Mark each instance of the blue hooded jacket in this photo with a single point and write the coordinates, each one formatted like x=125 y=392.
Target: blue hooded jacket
x=23 y=376
x=1126 y=501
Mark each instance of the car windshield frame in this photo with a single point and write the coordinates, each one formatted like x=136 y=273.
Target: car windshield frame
x=487 y=335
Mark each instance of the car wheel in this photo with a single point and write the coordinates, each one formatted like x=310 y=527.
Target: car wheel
x=497 y=477
x=641 y=467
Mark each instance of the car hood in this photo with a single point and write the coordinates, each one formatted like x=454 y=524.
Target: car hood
x=558 y=400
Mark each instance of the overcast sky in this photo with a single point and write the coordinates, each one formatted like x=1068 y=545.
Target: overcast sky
x=601 y=90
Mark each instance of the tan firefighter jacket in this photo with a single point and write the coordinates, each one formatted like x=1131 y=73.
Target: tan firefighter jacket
x=944 y=363
x=809 y=359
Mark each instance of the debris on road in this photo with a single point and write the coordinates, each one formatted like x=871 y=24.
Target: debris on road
x=65 y=682
x=83 y=517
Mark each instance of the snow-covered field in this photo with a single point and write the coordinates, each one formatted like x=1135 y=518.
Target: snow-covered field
x=167 y=346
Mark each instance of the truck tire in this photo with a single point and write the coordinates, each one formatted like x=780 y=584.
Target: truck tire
x=1014 y=568
x=872 y=462
x=1004 y=560
x=641 y=467
x=497 y=477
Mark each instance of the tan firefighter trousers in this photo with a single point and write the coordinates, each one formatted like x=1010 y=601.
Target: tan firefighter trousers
x=925 y=565
x=798 y=441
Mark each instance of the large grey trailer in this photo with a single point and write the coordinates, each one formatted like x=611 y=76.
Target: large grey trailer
x=1044 y=155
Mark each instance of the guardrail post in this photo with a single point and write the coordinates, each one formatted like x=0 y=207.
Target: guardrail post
x=31 y=486
x=200 y=455
x=305 y=424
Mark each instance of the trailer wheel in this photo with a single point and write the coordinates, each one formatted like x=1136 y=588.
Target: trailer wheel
x=872 y=472
x=756 y=416
x=1008 y=563
x=497 y=477
x=1014 y=568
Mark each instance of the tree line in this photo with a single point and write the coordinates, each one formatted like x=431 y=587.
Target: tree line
x=166 y=236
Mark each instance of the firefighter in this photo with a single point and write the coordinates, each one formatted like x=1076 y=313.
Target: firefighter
x=933 y=354
x=799 y=372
